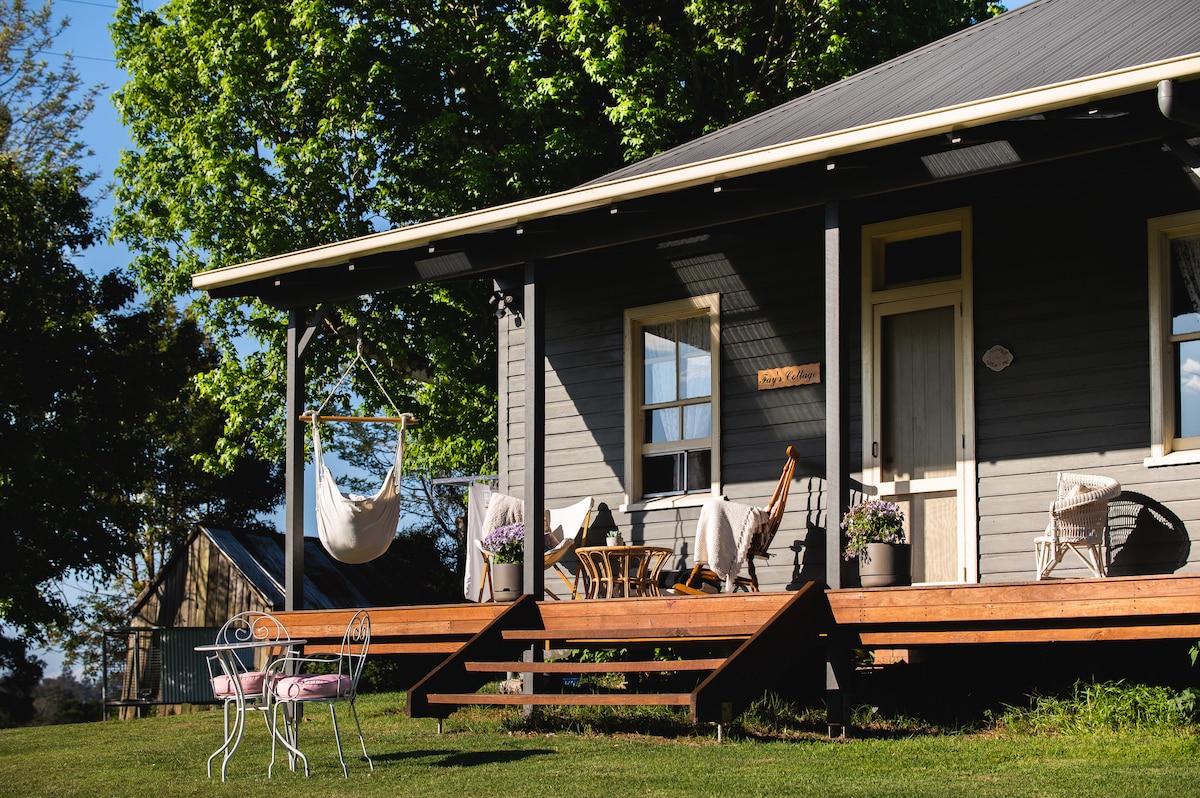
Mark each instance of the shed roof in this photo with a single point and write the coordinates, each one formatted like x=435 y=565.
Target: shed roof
x=329 y=584
x=1048 y=55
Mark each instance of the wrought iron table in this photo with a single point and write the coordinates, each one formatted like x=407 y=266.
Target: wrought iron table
x=227 y=655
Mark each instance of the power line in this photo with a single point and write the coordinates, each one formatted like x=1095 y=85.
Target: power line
x=64 y=55
x=81 y=57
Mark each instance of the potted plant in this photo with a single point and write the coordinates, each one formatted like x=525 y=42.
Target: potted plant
x=875 y=537
x=506 y=545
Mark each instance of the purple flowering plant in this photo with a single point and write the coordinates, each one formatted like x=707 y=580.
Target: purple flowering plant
x=506 y=543
x=874 y=521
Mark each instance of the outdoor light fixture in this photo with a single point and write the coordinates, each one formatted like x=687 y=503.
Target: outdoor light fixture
x=506 y=301
x=500 y=302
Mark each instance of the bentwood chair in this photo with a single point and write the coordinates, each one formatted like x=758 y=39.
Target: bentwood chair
x=760 y=541
x=290 y=688
x=1078 y=521
x=245 y=643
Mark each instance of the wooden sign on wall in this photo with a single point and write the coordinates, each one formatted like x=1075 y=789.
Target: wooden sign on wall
x=786 y=377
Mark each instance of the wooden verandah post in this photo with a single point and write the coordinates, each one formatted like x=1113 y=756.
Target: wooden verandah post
x=836 y=474
x=300 y=333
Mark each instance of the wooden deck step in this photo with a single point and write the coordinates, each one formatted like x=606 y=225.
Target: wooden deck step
x=657 y=666
x=677 y=635
x=562 y=699
x=750 y=634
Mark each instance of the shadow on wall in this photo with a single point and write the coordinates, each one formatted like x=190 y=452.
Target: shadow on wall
x=808 y=552
x=1144 y=537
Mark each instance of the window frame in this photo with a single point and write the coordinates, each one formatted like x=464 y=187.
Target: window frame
x=1165 y=447
x=636 y=319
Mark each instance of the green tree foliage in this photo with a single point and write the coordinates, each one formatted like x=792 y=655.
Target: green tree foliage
x=19 y=675
x=64 y=699
x=99 y=421
x=265 y=127
x=101 y=424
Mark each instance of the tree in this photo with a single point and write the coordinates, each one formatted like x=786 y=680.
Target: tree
x=64 y=699
x=260 y=128
x=41 y=110
x=101 y=423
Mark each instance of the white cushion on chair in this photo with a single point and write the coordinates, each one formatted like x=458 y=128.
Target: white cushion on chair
x=322 y=685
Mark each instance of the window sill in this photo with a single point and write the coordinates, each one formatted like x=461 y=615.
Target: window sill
x=668 y=503
x=1182 y=457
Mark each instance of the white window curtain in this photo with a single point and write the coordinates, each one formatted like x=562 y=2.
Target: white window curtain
x=1185 y=255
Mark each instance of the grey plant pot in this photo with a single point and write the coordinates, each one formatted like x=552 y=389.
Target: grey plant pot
x=888 y=565
x=506 y=580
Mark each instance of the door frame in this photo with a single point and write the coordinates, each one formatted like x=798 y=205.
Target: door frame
x=903 y=298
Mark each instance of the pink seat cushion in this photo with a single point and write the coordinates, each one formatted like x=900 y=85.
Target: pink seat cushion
x=323 y=685
x=252 y=684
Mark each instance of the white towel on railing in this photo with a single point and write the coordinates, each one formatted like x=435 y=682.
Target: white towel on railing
x=723 y=535
x=478 y=498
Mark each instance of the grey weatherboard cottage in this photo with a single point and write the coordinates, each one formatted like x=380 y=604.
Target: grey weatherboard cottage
x=975 y=251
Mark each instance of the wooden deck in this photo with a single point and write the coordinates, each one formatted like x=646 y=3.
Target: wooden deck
x=1165 y=607
x=742 y=640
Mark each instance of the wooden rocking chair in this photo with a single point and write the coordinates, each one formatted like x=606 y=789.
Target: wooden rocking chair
x=760 y=543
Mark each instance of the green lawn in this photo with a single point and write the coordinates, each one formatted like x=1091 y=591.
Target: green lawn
x=479 y=754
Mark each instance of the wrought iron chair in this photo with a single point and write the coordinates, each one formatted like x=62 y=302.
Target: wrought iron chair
x=760 y=542
x=291 y=688
x=236 y=677
x=1078 y=520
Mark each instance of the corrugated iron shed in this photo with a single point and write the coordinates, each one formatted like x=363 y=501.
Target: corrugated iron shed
x=329 y=584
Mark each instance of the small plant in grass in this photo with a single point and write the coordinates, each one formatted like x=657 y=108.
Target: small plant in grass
x=773 y=716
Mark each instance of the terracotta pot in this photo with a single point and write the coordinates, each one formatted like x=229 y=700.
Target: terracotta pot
x=886 y=565
x=506 y=580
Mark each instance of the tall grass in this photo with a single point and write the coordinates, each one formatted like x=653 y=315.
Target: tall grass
x=1097 y=707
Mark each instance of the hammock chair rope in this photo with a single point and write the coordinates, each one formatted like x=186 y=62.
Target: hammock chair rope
x=353 y=528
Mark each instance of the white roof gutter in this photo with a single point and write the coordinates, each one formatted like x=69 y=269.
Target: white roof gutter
x=893 y=131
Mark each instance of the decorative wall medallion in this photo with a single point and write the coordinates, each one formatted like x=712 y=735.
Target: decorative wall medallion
x=997 y=358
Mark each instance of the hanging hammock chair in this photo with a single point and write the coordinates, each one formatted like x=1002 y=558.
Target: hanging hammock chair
x=357 y=529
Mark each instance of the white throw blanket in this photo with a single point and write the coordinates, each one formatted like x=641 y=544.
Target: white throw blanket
x=479 y=496
x=502 y=510
x=723 y=535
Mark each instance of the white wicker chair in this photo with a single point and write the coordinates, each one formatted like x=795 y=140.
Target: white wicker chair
x=1078 y=520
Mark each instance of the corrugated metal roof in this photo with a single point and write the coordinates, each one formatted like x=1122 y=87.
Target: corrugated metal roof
x=328 y=584
x=1041 y=44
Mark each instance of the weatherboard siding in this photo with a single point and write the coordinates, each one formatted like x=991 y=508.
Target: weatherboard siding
x=1060 y=279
